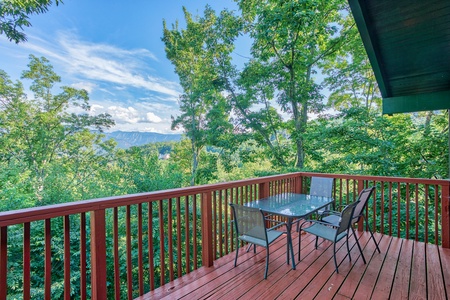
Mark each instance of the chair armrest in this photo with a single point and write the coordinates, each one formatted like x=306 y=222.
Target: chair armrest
x=329 y=213
x=312 y=222
x=276 y=226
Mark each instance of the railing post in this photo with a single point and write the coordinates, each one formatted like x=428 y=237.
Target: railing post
x=3 y=262
x=98 y=255
x=263 y=190
x=360 y=188
x=207 y=232
x=445 y=211
x=298 y=184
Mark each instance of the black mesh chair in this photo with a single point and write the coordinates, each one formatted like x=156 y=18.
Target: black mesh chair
x=331 y=232
x=250 y=227
x=333 y=217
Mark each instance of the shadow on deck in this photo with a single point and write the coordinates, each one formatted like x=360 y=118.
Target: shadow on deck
x=405 y=269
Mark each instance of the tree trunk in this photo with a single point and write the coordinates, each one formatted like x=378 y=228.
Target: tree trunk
x=194 y=163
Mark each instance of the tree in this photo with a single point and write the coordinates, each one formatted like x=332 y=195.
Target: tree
x=204 y=110
x=290 y=38
x=42 y=134
x=14 y=16
x=349 y=75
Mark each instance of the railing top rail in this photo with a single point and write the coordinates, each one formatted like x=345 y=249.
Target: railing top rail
x=443 y=182
x=21 y=216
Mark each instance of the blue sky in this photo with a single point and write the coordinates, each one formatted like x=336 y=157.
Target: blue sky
x=113 y=49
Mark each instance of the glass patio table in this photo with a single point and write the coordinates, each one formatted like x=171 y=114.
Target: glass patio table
x=291 y=206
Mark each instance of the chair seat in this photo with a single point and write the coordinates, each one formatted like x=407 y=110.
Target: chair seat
x=332 y=219
x=271 y=236
x=325 y=232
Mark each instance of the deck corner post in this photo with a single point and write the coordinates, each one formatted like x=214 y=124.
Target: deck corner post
x=445 y=211
x=263 y=190
x=207 y=232
x=98 y=254
x=298 y=184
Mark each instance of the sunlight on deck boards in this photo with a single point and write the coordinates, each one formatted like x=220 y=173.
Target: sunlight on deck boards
x=404 y=269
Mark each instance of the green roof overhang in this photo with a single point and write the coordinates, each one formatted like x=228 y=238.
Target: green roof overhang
x=408 y=45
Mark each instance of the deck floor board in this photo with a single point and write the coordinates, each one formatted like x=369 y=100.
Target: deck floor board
x=404 y=269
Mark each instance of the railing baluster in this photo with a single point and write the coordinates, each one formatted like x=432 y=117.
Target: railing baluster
x=194 y=235
x=417 y=212
x=161 y=243
x=26 y=261
x=48 y=260
x=426 y=212
x=116 y=253
x=407 y=211
x=128 y=253
x=140 y=251
x=170 y=237
x=382 y=207
x=222 y=202
x=151 y=264
x=66 y=257
x=83 y=257
x=398 y=210
x=3 y=262
x=186 y=235
x=390 y=208
x=445 y=213
x=215 y=218
x=179 y=235
x=225 y=204
x=436 y=214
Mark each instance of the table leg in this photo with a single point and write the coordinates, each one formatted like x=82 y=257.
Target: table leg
x=290 y=247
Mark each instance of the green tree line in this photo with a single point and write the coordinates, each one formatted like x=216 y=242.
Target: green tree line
x=270 y=115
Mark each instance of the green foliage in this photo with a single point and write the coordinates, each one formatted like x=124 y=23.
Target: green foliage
x=14 y=16
x=239 y=123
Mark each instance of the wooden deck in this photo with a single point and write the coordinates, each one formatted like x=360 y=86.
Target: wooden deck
x=404 y=270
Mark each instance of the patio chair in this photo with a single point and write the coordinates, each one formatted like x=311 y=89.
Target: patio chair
x=333 y=217
x=250 y=227
x=323 y=187
x=331 y=232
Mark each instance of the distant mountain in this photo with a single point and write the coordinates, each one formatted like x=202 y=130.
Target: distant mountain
x=134 y=138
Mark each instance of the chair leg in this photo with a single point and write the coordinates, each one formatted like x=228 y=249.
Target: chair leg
x=334 y=256
x=237 y=252
x=371 y=234
x=299 y=244
x=348 y=248
x=267 y=263
x=317 y=240
x=359 y=247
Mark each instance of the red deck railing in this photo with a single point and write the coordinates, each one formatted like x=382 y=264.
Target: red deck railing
x=122 y=247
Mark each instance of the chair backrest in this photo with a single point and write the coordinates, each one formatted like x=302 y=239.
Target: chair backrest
x=321 y=186
x=249 y=221
x=346 y=217
x=363 y=199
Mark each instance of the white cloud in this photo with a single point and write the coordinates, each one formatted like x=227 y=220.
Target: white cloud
x=151 y=117
x=103 y=63
x=88 y=86
x=124 y=115
x=120 y=82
